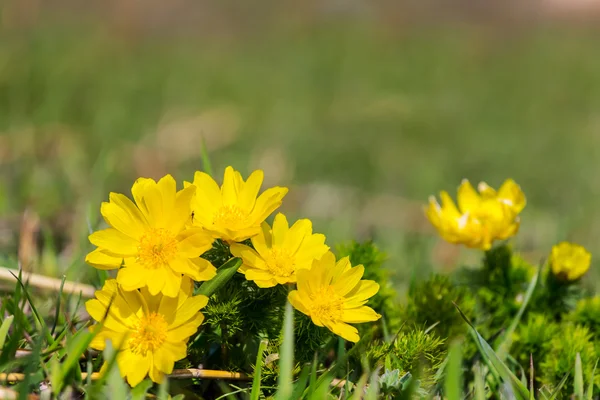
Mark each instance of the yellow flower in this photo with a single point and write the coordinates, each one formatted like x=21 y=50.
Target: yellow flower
x=149 y=331
x=150 y=238
x=333 y=295
x=280 y=252
x=481 y=218
x=233 y=212
x=569 y=261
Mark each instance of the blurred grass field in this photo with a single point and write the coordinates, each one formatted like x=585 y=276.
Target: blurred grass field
x=362 y=120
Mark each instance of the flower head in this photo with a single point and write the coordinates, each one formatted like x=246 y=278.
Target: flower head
x=333 y=295
x=150 y=238
x=280 y=252
x=233 y=212
x=150 y=331
x=569 y=261
x=481 y=218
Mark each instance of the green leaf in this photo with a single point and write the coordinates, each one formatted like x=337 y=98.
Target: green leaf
x=557 y=390
x=255 y=394
x=504 y=347
x=578 y=384
x=224 y=274
x=453 y=381
x=139 y=392
x=493 y=361
x=4 y=329
x=34 y=310
x=590 y=390
x=286 y=356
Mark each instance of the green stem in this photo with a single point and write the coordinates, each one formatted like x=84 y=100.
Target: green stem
x=224 y=274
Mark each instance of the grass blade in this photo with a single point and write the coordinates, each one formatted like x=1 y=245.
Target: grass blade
x=493 y=361
x=531 y=378
x=479 y=383
x=590 y=391
x=373 y=390
x=62 y=285
x=255 y=394
x=224 y=274
x=453 y=381
x=558 y=388
x=4 y=329
x=578 y=384
x=504 y=347
x=286 y=356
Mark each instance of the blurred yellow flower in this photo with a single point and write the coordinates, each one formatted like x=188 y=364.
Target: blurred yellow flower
x=569 y=261
x=481 y=218
x=333 y=295
x=233 y=212
x=150 y=238
x=280 y=252
x=150 y=332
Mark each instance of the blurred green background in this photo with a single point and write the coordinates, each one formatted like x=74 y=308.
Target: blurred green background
x=363 y=109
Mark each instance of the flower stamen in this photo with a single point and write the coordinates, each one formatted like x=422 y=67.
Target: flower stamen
x=149 y=334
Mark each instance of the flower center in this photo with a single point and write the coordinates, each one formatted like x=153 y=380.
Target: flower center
x=327 y=304
x=149 y=334
x=230 y=216
x=280 y=262
x=157 y=247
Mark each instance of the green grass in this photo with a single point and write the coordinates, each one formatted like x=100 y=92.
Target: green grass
x=362 y=121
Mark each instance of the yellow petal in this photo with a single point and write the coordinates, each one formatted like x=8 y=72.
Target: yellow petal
x=208 y=193
x=103 y=260
x=468 y=199
x=132 y=277
x=137 y=190
x=194 y=242
x=206 y=271
x=249 y=191
x=348 y=281
x=262 y=242
x=184 y=331
x=511 y=194
x=312 y=247
x=185 y=266
x=265 y=283
x=296 y=301
x=181 y=214
x=301 y=230
x=346 y=331
x=361 y=293
x=258 y=274
x=163 y=360
x=268 y=202
x=141 y=367
x=114 y=241
x=188 y=310
x=250 y=257
x=126 y=220
x=172 y=281
x=229 y=187
x=155 y=374
x=358 y=315
x=280 y=230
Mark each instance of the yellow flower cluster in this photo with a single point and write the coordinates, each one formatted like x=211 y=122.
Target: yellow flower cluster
x=487 y=215
x=569 y=261
x=481 y=217
x=155 y=242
